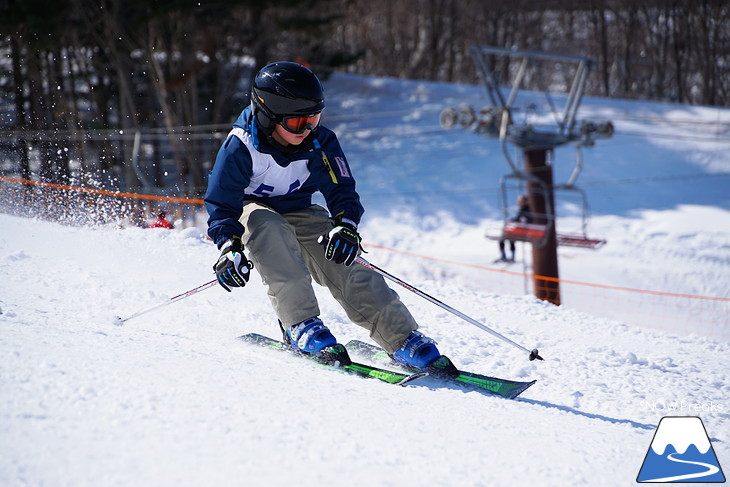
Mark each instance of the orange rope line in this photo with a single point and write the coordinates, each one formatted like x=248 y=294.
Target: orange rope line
x=105 y=192
x=435 y=259
x=552 y=279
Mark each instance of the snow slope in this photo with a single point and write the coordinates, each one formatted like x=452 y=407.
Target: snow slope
x=172 y=398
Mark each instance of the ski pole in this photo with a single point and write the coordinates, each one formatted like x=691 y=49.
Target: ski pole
x=119 y=321
x=533 y=353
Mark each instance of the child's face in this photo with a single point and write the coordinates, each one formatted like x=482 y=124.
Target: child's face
x=284 y=137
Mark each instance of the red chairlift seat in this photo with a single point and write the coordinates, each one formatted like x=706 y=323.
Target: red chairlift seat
x=577 y=240
x=524 y=232
x=534 y=233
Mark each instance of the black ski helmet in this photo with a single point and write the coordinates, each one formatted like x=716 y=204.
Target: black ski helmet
x=282 y=89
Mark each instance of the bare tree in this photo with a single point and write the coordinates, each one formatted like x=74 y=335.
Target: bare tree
x=80 y=67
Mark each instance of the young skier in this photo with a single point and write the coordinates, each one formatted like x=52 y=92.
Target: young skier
x=523 y=216
x=259 y=198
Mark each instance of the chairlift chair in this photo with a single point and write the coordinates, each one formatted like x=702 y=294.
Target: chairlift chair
x=578 y=239
x=534 y=233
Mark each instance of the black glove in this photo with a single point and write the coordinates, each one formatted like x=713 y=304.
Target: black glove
x=342 y=243
x=233 y=268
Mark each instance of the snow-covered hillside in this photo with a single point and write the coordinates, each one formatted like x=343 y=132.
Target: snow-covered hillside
x=172 y=398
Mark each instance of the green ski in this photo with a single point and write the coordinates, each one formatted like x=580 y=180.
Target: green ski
x=444 y=370
x=336 y=358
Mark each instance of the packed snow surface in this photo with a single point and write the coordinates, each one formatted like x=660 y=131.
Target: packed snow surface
x=172 y=398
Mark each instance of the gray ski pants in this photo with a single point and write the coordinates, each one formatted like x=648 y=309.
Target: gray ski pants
x=285 y=252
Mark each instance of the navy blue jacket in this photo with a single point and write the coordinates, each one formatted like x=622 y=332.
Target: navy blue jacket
x=248 y=168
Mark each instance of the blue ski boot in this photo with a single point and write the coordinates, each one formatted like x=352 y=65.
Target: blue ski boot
x=310 y=336
x=417 y=351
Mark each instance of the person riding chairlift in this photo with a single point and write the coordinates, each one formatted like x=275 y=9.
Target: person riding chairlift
x=523 y=216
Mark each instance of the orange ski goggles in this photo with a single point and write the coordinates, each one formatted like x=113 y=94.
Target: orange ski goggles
x=297 y=124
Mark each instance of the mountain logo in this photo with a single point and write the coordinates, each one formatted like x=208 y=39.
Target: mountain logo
x=680 y=452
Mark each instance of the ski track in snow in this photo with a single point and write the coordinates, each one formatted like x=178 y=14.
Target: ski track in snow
x=172 y=398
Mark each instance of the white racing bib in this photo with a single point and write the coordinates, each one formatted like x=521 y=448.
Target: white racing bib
x=269 y=178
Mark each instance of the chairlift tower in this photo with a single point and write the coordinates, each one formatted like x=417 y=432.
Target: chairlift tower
x=498 y=121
